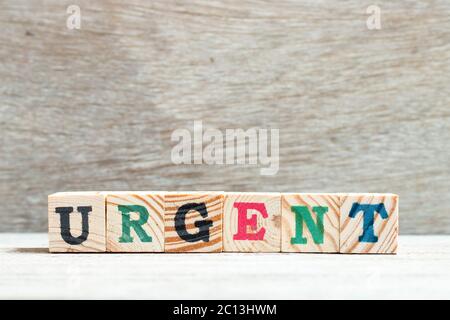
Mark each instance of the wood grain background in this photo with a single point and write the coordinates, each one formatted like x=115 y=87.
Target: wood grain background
x=358 y=109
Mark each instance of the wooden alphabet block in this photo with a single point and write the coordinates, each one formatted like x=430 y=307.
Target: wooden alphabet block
x=310 y=222
x=135 y=222
x=193 y=221
x=76 y=222
x=369 y=223
x=252 y=222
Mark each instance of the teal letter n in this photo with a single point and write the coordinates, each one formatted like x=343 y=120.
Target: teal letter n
x=127 y=223
x=302 y=215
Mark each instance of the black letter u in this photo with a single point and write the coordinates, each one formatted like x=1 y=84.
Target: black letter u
x=65 y=224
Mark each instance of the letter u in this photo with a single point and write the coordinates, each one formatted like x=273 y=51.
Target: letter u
x=64 y=213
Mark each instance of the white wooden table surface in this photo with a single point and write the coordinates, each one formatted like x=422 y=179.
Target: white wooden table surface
x=421 y=269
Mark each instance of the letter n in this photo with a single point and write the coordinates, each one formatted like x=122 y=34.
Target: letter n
x=303 y=216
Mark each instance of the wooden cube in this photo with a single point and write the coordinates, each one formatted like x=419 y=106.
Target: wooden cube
x=252 y=222
x=310 y=222
x=76 y=222
x=369 y=223
x=193 y=221
x=135 y=222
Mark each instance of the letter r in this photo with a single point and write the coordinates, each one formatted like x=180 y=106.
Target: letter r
x=127 y=223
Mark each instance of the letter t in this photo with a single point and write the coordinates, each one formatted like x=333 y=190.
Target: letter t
x=369 y=211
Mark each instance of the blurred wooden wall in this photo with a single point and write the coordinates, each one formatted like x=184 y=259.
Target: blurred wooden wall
x=357 y=109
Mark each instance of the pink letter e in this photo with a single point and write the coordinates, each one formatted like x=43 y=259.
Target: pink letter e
x=244 y=221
